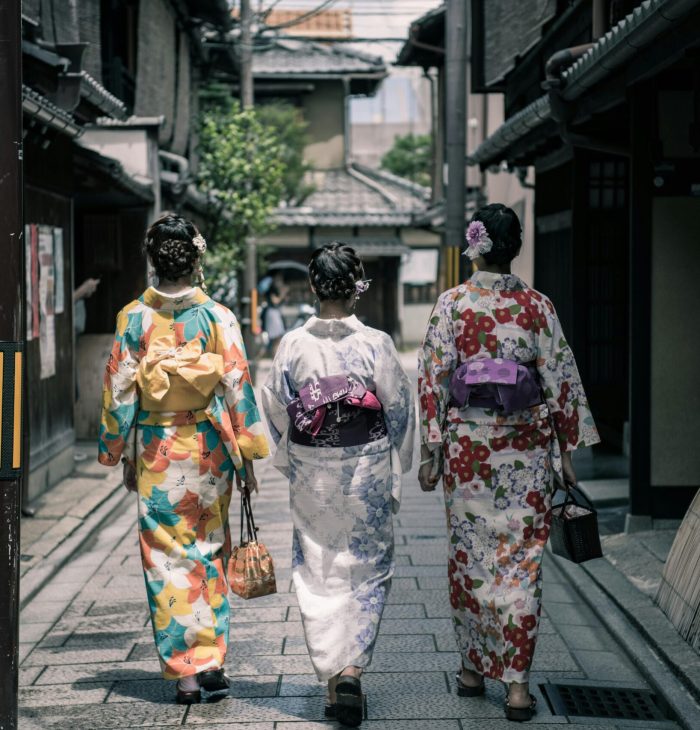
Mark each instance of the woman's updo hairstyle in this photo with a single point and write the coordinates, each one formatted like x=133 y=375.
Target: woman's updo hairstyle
x=334 y=270
x=170 y=247
x=504 y=230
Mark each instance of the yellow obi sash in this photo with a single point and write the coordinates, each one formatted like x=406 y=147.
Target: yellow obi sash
x=178 y=378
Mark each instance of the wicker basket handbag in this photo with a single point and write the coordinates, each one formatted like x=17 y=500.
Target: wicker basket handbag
x=251 y=573
x=574 y=534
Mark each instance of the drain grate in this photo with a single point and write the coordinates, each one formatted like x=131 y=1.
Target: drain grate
x=621 y=703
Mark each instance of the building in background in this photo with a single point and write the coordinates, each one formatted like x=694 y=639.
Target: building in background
x=369 y=209
x=602 y=98
x=425 y=49
x=109 y=99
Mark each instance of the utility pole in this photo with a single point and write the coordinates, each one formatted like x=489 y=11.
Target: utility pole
x=11 y=350
x=250 y=277
x=456 y=135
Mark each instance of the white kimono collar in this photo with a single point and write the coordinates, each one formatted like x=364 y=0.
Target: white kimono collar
x=333 y=327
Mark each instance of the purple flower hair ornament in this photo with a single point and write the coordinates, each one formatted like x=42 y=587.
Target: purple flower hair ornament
x=361 y=286
x=478 y=241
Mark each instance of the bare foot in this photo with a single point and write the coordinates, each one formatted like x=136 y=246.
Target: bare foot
x=351 y=672
x=330 y=696
x=519 y=695
x=471 y=679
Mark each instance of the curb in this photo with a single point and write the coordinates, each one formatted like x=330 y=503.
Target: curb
x=35 y=579
x=663 y=676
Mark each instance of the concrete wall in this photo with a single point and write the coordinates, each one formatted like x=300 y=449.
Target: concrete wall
x=324 y=110
x=675 y=396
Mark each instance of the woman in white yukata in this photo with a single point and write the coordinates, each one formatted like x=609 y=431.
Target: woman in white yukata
x=341 y=411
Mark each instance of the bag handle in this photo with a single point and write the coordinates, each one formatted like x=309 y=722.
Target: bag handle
x=572 y=492
x=247 y=509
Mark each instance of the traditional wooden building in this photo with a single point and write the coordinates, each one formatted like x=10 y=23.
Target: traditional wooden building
x=372 y=210
x=602 y=98
x=109 y=99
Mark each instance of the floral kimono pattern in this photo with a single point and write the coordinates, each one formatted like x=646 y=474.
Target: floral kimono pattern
x=498 y=469
x=342 y=498
x=178 y=372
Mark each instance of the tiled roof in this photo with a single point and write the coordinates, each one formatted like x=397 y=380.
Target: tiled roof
x=288 y=57
x=330 y=23
x=357 y=197
x=40 y=108
x=619 y=45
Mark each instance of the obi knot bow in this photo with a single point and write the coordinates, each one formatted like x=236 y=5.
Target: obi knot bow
x=202 y=370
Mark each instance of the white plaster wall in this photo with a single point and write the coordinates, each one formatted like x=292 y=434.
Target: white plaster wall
x=675 y=360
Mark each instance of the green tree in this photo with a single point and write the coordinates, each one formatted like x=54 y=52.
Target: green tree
x=411 y=157
x=242 y=171
x=290 y=126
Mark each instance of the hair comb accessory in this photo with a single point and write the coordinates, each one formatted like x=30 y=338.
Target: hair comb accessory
x=478 y=241
x=199 y=243
x=361 y=286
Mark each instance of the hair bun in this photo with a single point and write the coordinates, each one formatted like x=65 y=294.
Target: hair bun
x=334 y=271
x=169 y=244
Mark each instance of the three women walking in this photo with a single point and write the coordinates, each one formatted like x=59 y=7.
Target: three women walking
x=502 y=407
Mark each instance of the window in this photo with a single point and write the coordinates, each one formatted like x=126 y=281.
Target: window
x=119 y=40
x=420 y=293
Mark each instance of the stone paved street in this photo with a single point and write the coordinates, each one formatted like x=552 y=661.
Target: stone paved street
x=88 y=659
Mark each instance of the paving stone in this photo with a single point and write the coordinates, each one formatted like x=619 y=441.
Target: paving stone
x=95 y=717
x=82 y=694
x=32 y=632
x=557 y=593
x=406 y=627
x=438 y=582
x=100 y=672
x=413 y=596
x=573 y=615
x=117 y=608
x=107 y=639
x=605 y=665
x=270 y=664
x=404 y=610
x=258 y=615
x=272 y=709
x=62 y=656
x=27 y=675
x=586 y=637
x=379 y=725
x=415 y=662
x=42 y=612
x=417 y=571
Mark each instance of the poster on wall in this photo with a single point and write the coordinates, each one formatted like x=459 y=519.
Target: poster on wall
x=47 y=322
x=28 y=290
x=59 y=303
x=33 y=277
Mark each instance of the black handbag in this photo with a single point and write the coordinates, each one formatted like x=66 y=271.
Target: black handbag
x=574 y=533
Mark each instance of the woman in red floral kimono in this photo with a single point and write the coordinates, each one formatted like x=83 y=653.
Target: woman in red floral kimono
x=502 y=408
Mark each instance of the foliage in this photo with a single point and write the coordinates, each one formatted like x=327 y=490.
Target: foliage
x=411 y=158
x=242 y=171
x=290 y=127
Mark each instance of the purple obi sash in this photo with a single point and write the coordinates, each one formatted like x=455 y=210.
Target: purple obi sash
x=496 y=383
x=336 y=411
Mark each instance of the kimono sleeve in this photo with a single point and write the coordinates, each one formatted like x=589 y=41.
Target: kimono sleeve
x=277 y=394
x=562 y=387
x=239 y=400
x=395 y=393
x=120 y=402
x=437 y=360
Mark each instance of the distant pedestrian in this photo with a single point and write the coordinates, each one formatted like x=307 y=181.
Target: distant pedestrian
x=502 y=407
x=178 y=377
x=341 y=411
x=273 y=321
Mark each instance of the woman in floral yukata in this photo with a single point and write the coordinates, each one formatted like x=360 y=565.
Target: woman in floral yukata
x=341 y=411
x=502 y=408
x=178 y=374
